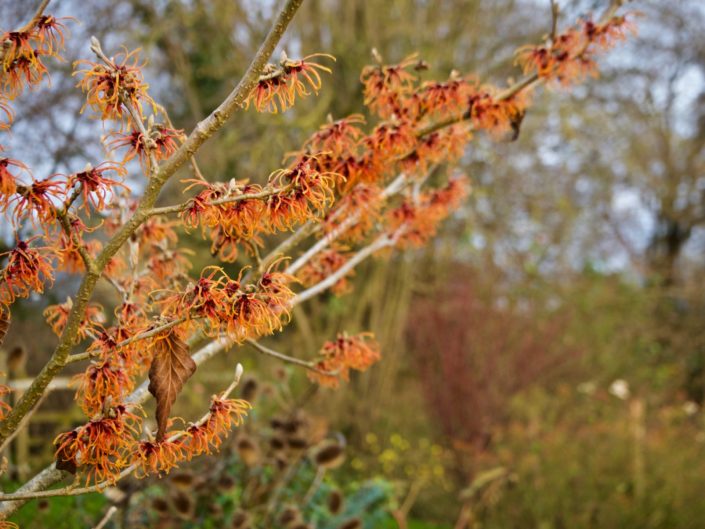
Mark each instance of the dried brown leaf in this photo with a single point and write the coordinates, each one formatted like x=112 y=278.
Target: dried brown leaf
x=171 y=367
x=67 y=463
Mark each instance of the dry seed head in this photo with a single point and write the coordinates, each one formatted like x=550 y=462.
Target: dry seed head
x=247 y=450
x=328 y=455
x=241 y=520
x=352 y=523
x=335 y=502
x=289 y=516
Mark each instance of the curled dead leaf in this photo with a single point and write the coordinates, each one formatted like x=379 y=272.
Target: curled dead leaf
x=171 y=367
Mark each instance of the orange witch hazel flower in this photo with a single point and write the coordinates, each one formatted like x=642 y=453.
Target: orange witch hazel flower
x=157 y=230
x=417 y=218
x=157 y=457
x=70 y=259
x=337 y=138
x=50 y=33
x=8 y=180
x=569 y=57
x=94 y=187
x=225 y=208
x=57 y=316
x=442 y=99
x=21 y=61
x=105 y=84
x=278 y=86
x=100 y=447
x=356 y=352
x=101 y=382
x=36 y=201
x=492 y=113
x=26 y=70
x=226 y=246
x=363 y=199
x=386 y=87
x=306 y=192
x=240 y=219
x=203 y=299
x=224 y=414
x=19 y=44
x=323 y=265
x=161 y=139
x=6 y=110
x=251 y=316
x=27 y=270
x=257 y=310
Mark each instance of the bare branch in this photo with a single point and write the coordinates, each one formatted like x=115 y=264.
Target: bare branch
x=383 y=241
x=311 y=366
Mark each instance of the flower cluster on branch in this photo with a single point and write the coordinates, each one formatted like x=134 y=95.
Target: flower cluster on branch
x=352 y=190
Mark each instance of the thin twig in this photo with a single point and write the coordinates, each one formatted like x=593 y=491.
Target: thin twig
x=383 y=241
x=109 y=514
x=178 y=208
x=37 y=15
x=555 y=11
x=311 y=366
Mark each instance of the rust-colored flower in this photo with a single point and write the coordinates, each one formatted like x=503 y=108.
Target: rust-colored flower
x=8 y=180
x=356 y=352
x=569 y=58
x=16 y=44
x=36 y=201
x=27 y=270
x=386 y=87
x=273 y=286
x=101 y=446
x=157 y=230
x=492 y=113
x=167 y=264
x=26 y=70
x=363 y=200
x=157 y=457
x=279 y=86
x=200 y=211
x=22 y=52
x=225 y=414
x=250 y=315
x=162 y=141
x=205 y=298
x=69 y=252
x=6 y=110
x=101 y=382
x=50 y=33
x=57 y=317
x=109 y=86
x=306 y=193
x=442 y=100
x=94 y=187
x=417 y=218
x=338 y=138
x=392 y=139
x=323 y=265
